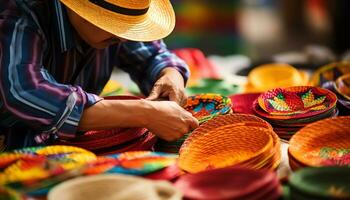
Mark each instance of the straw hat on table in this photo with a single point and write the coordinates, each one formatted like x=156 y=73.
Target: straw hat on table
x=137 y=20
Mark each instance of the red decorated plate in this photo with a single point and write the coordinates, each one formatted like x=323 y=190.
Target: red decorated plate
x=303 y=101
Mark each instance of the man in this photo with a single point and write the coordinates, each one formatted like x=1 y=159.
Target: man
x=56 y=56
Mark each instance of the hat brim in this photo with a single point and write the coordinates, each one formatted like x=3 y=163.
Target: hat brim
x=156 y=24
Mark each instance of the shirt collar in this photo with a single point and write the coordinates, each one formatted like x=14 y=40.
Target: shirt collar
x=62 y=27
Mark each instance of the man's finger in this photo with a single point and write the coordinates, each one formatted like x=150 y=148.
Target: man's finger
x=155 y=93
x=194 y=123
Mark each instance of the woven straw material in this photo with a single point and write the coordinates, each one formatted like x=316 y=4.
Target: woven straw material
x=263 y=161
x=326 y=142
x=330 y=72
x=104 y=187
x=144 y=143
x=224 y=146
x=157 y=23
x=30 y=165
x=68 y=157
x=207 y=106
x=297 y=100
x=342 y=86
x=95 y=140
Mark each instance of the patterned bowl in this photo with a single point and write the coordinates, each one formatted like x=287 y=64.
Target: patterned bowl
x=301 y=100
x=323 y=143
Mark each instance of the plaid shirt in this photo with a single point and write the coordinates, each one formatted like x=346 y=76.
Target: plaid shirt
x=39 y=54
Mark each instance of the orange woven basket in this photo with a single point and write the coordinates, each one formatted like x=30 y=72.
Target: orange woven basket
x=274 y=155
x=324 y=143
x=224 y=146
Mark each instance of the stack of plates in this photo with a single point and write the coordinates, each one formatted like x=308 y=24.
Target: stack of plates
x=290 y=109
x=230 y=183
x=324 y=143
x=320 y=183
x=234 y=139
x=204 y=107
x=35 y=169
x=113 y=141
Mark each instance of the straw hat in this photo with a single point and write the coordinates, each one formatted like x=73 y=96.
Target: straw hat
x=138 y=20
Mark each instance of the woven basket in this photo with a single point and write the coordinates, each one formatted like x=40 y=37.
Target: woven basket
x=330 y=72
x=224 y=146
x=301 y=101
x=323 y=143
x=248 y=121
x=342 y=86
x=103 y=187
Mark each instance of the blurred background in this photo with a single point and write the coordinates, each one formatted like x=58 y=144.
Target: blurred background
x=260 y=29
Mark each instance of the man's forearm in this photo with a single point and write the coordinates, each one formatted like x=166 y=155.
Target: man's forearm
x=108 y=114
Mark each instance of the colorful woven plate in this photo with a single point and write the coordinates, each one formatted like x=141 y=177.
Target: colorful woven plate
x=224 y=146
x=342 y=85
x=218 y=184
x=321 y=183
x=207 y=106
x=330 y=72
x=264 y=77
x=142 y=162
x=323 y=143
x=35 y=164
x=302 y=101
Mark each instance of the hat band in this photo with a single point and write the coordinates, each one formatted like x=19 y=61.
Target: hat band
x=118 y=9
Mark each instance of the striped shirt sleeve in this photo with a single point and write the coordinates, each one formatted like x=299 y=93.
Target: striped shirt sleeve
x=28 y=91
x=145 y=60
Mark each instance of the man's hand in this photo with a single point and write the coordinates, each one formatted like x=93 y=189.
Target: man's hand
x=170 y=85
x=168 y=120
